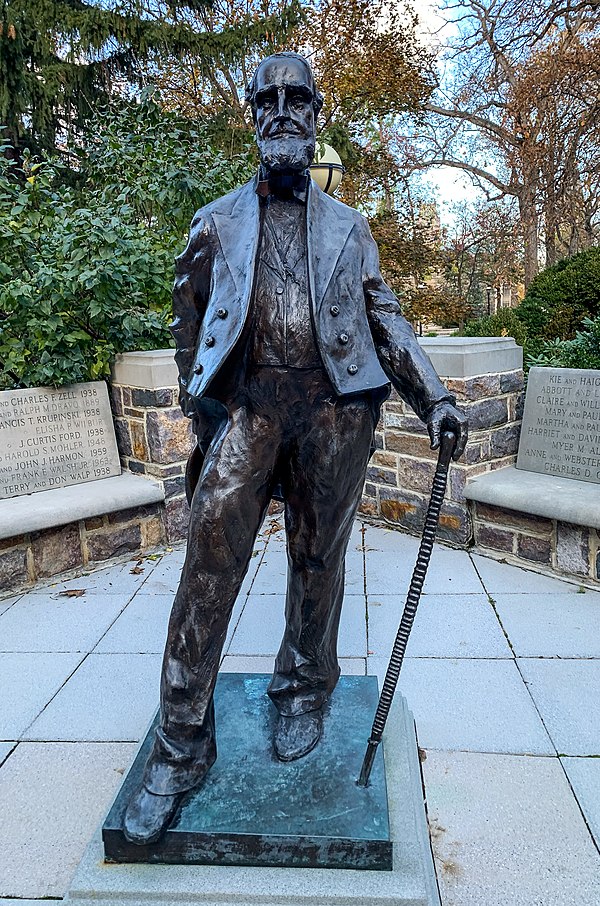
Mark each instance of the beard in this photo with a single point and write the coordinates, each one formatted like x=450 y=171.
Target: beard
x=286 y=152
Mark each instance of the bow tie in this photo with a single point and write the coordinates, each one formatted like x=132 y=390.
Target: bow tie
x=284 y=185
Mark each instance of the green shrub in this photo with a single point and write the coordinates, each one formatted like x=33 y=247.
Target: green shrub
x=583 y=351
x=560 y=297
x=86 y=254
x=79 y=284
x=504 y=323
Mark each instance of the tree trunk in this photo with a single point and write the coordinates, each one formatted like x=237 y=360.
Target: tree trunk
x=530 y=228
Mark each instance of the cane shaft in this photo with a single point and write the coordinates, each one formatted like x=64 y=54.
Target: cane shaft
x=412 y=601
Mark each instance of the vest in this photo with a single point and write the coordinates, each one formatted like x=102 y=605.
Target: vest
x=282 y=332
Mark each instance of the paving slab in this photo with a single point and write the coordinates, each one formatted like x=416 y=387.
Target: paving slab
x=5 y=603
x=115 y=579
x=567 y=694
x=411 y=883
x=111 y=697
x=450 y=572
x=506 y=831
x=271 y=577
x=233 y=663
x=51 y=623
x=141 y=628
x=584 y=775
x=498 y=577
x=551 y=624
x=470 y=705
x=390 y=541
x=445 y=626
x=164 y=578
x=262 y=623
x=5 y=750
x=28 y=682
x=52 y=795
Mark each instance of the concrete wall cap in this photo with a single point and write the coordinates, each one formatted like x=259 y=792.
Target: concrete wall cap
x=59 y=506
x=452 y=357
x=465 y=357
x=564 y=499
x=150 y=370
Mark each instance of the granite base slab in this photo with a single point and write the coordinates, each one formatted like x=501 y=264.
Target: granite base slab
x=412 y=881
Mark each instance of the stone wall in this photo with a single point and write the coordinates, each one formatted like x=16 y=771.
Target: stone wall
x=153 y=435
x=155 y=439
x=518 y=537
x=485 y=375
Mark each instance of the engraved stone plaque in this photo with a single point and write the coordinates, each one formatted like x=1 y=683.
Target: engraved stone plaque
x=561 y=424
x=53 y=438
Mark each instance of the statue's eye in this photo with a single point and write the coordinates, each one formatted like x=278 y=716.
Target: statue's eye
x=266 y=101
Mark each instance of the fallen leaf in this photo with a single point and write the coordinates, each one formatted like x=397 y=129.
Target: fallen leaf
x=136 y=570
x=72 y=593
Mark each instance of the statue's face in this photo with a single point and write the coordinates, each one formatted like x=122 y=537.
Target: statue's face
x=284 y=116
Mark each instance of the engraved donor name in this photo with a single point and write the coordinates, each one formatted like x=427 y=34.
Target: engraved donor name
x=53 y=438
x=561 y=424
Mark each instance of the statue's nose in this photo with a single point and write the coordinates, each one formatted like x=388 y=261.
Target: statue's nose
x=282 y=106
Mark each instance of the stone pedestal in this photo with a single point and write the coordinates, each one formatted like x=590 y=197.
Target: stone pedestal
x=412 y=881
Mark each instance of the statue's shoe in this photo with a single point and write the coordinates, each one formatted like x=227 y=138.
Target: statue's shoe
x=297 y=736
x=148 y=816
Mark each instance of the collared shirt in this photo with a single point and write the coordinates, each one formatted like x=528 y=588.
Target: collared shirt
x=282 y=329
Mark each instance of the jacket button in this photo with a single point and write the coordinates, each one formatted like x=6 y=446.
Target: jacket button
x=279 y=290
x=221 y=313
x=198 y=369
x=335 y=310
x=343 y=338
x=209 y=341
x=352 y=369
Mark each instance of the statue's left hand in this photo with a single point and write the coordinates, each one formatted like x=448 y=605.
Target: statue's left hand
x=446 y=417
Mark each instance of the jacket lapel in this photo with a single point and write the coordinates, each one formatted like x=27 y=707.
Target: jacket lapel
x=329 y=225
x=238 y=230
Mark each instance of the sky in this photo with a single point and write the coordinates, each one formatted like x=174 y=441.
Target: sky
x=447 y=185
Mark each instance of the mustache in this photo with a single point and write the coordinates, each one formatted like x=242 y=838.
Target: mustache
x=277 y=131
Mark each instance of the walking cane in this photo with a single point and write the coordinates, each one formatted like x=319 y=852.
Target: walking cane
x=447 y=445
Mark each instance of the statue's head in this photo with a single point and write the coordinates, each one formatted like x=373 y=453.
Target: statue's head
x=285 y=103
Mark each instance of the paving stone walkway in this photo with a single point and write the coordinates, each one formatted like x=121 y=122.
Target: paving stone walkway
x=503 y=677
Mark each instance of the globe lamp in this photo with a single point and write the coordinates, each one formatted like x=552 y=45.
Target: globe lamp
x=327 y=168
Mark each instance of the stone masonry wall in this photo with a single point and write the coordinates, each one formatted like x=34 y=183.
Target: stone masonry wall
x=570 y=550
x=401 y=470
x=155 y=439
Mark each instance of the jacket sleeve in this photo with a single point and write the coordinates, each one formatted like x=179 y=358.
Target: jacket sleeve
x=404 y=362
x=190 y=296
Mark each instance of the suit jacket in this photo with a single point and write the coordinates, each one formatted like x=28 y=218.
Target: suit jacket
x=364 y=341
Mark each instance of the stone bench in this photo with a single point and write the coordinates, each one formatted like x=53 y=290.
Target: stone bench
x=534 y=510
x=60 y=506
x=51 y=531
x=538 y=520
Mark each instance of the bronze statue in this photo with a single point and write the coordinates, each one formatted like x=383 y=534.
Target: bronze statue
x=287 y=341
